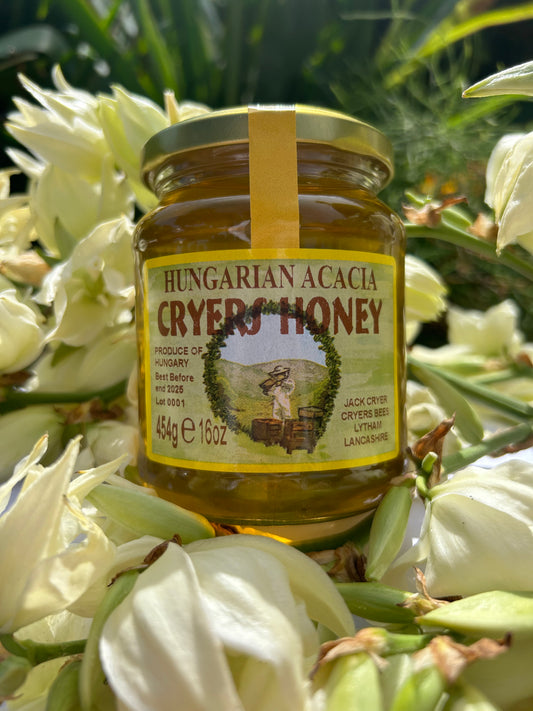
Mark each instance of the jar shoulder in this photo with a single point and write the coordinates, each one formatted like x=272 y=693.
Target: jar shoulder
x=225 y=222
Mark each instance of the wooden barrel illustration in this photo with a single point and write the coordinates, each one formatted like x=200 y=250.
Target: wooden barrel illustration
x=267 y=430
x=299 y=434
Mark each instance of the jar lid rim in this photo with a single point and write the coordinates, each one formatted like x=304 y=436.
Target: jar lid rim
x=226 y=126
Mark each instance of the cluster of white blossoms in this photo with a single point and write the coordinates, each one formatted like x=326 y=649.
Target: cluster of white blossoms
x=66 y=262
x=99 y=608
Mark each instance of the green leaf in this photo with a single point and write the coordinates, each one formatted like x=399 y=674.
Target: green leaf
x=498 y=401
x=96 y=32
x=466 y=419
x=479 y=110
x=158 y=53
x=444 y=36
x=450 y=31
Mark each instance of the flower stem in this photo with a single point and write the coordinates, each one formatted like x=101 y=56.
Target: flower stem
x=15 y=399
x=398 y=643
x=516 y=408
x=489 y=445
x=37 y=652
x=461 y=238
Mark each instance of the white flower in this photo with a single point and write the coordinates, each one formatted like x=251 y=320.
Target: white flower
x=65 y=131
x=510 y=167
x=21 y=336
x=105 y=439
x=475 y=336
x=128 y=121
x=491 y=333
x=476 y=528
x=50 y=552
x=74 y=180
x=66 y=205
x=227 y=625
x=93 y=289
x=108 y=360
x=423 y=413
x=16 y=227
x=424 y=295
x=509 y=185
x=127 y=555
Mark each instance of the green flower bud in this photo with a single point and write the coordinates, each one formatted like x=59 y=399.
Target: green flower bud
x=352 y=684
x=375 y=601
x=149 y=515
x=13 y=673
x=387 y=531
x=21 y=335
x=91 y=675
x=64 y=694
x=494 y=614
x=465 y=697
x=422 y=691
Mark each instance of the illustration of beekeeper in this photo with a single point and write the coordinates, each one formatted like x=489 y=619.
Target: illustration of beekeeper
x=280 y=387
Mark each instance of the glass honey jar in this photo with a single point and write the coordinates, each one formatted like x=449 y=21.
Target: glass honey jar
x=270 y=317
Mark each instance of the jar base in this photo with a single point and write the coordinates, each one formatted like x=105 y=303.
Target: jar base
x=322 y=534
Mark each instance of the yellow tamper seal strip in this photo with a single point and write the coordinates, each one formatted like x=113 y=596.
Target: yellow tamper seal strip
x=275 y=218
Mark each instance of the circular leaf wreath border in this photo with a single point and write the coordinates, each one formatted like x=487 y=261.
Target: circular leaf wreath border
x=215 y=393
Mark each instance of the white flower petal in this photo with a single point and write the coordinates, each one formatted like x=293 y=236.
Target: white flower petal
x=21 y=335
x=85 y=482
x=424 y=291
x=253 y=612
x=495 y=163
x=108 y=360
x=507 y=487
x=514 y=80
x=93 y=289
x=308 y=581
x=37 y=512
x=475 y=548
x=58 y=581
x=515 y=221
x=127 y=555
x=491 y=333
x=21 y=470
x=158 y=646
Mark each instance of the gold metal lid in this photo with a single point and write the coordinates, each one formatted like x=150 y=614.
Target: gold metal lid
x=227 y=126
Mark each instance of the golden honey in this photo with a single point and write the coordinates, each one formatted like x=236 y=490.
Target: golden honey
x=270 y=283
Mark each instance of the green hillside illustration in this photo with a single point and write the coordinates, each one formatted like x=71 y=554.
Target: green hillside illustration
x=244 y=397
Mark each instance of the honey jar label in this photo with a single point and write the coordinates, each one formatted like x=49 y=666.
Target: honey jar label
x=267 y=360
